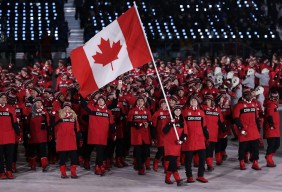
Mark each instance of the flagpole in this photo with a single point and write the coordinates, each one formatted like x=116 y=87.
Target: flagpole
x=162 y=88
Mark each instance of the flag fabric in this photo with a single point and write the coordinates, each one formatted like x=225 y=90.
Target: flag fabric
x=118 y=48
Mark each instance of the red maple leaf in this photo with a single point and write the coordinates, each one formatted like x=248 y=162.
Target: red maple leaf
x=108 y=54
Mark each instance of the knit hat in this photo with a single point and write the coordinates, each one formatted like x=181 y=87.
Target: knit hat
x=209 y=96
x=67 y=104
x=37 y=99
x=57 y=95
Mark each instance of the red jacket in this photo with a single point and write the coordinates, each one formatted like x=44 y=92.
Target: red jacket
x=272 y=118
x=63 y=86
x=226 y=113
x=100 y=120
x=38 y=127
x=7 y=119
x=213 y=119
x=170 y=146
x=208 y=90
x=139 y=134
x=65 y=133
x=196 y=122
x=160 y=119
x=245 y=115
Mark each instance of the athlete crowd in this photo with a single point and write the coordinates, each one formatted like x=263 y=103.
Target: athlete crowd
x=209 y=100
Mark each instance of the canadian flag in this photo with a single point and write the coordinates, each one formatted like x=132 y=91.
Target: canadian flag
x=118 y=48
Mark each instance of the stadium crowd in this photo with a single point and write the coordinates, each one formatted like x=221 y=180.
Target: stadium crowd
x=209 y=100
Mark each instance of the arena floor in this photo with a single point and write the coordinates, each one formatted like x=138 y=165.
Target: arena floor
x=223 y=178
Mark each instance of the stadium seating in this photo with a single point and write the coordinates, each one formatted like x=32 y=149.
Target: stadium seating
x=26 y=23
x=218 y=20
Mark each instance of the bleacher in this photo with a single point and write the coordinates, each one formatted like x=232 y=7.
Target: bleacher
x=199 y=20
x=29 y=25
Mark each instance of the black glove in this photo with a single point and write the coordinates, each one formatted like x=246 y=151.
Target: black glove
x=16 y=128
x=222 y=126
x=238 y=123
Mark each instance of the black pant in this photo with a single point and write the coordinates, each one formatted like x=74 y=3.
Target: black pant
x=15 y=156
x=160 y=153
x=188 y=162
x=64 y=155
x=172 y=166
x=100 y=153
x=52 y=148
x=221 y=145
x=6 y=151
x=210 y=149
x=141 y=153
x=81 y=151
x=37 y=148
x=249 y=146
x=120 y=148
x=273 y=145
x=110 y=149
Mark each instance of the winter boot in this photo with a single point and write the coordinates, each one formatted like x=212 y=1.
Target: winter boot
x=166 y=164
x=218 y=158
x=269 y=161
x=155 y=164
x=202 y=179
x=105 y=166
x=190 y=180
x=242 y=165
x=97 y=170
x=73 y=172
x=147 y=163
x=10 y=175
x=141 y=171
x=44 y=164
x=255 y=165
x=122 y=160
x=14 y=167
x=118 y=162
x=178 y=180
x=103 y=170
x=86 y=164
x=3 y=176
x=63 y=169
x=32 y=162
x=224 y=155
x=80 y=160
x=167 y=177
x=209 y=164
x=109 y=163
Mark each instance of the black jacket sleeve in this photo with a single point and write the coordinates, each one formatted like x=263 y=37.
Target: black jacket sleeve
x=238 y=123
x=167 y=128
x=206 y=132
